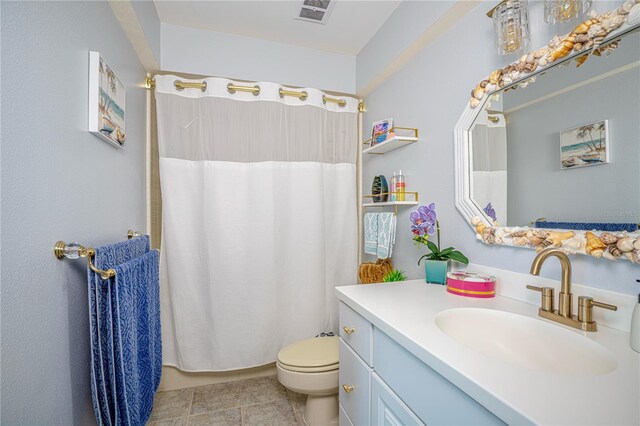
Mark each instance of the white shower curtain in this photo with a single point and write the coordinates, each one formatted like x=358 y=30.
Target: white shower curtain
x=259 y=220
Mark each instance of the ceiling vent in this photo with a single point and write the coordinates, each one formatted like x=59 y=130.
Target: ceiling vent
x=317 y=11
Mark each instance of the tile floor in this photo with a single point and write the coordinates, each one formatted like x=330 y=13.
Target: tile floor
x=259 y=401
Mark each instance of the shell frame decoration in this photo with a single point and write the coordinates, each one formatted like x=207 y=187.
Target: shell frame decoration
x=586 y=39
x=621 y=245
x=598 y=36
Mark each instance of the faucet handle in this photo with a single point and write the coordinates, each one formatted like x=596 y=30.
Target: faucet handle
x=547 y=297
x=585 y=308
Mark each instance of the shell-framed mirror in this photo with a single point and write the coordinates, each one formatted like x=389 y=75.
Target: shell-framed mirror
x=547 y=151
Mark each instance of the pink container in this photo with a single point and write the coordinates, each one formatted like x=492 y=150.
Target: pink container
x=468 y=284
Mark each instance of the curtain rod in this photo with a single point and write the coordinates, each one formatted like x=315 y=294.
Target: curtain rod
x=150 y=84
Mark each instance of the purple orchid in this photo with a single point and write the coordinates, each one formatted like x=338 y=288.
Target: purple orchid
x=424 y=220
x=424 y=223
x=490 y=212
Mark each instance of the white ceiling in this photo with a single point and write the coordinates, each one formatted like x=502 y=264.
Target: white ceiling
x=348 y=29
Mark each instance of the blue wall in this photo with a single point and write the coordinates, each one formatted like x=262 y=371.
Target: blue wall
x=59 y=182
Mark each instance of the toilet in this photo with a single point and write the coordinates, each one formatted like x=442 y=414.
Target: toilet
x=310 y=367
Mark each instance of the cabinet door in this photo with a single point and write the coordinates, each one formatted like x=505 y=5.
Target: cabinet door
x=434 y=399
x=357 y=332
x=355 y=383
x=386 y=408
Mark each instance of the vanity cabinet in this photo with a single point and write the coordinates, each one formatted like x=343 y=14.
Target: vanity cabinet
x=381 y=383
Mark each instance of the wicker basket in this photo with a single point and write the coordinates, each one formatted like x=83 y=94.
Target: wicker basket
x=375 y=272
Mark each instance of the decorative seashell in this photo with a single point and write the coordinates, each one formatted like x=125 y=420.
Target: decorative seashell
x=581 y=60
x=577 y=47
x=588 y=44
x=636 y=244
x=625 y=244
x=584 y=27
x=555 y=238
x=523 y=59
x=608 y=256
x=517 y=234
x=477 y=93
x=488 y=235
x=483 y=83
x=506 y=80
x=582 y=38
x=593 y=30
x=498 y=240
x=633 y=256
x=564 y=48
x=474 y=102
x=575 y=244
x=615 y=251
x=535 y=241
x=625 y=7
x=494 y=77
x=540 y=233
x=612 y=22
x=543 y=62
x=608 y=238
x=594 y=246
x=520 y=241
x=490 y=87
x=555 y=42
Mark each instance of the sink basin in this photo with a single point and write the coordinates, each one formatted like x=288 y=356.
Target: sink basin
x=526 y=342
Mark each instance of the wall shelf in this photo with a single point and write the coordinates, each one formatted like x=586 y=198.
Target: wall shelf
x=398 y=141
x=393 y=204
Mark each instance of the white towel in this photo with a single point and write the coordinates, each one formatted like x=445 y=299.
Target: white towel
x=386 y=234
x=371 y=233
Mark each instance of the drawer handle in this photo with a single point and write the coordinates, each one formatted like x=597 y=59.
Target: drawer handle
x=349 y=330
x=348 y=389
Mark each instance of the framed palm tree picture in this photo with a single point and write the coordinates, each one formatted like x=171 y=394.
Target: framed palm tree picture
x=586 y=145
x=106 y=102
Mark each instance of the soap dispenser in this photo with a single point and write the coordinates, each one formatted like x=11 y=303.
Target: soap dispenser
x=635 y=326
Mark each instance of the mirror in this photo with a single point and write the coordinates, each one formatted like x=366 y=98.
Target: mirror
x=565 y=149
x=549 y=155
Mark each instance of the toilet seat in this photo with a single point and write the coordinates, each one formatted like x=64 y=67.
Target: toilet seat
x=315 y=355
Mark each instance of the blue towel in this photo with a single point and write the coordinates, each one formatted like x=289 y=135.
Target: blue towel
x=386 y=234
x=137 y=341
x=371 y=233
x=103 y=385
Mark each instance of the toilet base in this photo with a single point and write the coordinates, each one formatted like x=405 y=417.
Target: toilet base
x=321 y=410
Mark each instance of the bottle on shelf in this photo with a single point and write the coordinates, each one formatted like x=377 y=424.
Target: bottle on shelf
x=392 y=187
x=400 y=186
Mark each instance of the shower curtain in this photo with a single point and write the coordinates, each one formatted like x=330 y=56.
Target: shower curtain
x=259 y=220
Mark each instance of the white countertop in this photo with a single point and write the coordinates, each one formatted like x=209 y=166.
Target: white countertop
x=406 y=312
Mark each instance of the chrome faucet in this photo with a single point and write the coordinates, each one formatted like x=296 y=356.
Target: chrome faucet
x=584 y=320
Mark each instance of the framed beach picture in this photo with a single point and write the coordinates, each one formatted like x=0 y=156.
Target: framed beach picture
x=379 y=130
x=586 y=145
x=106 y=102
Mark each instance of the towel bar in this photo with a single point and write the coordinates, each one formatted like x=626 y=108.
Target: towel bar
x=62 y=250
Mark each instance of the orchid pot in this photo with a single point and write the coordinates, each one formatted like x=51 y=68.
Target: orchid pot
x=424 y=225
x=436 y=271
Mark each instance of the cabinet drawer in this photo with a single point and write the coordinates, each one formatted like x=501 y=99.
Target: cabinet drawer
x=387 y=408
x=434 y=399
x=356 y=375
x=357 y=332
x=343 y=419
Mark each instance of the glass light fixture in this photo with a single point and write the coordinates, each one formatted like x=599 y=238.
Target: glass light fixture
x=559 y=11
x=510 y=26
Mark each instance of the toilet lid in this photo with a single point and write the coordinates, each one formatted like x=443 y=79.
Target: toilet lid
x=320 y=353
